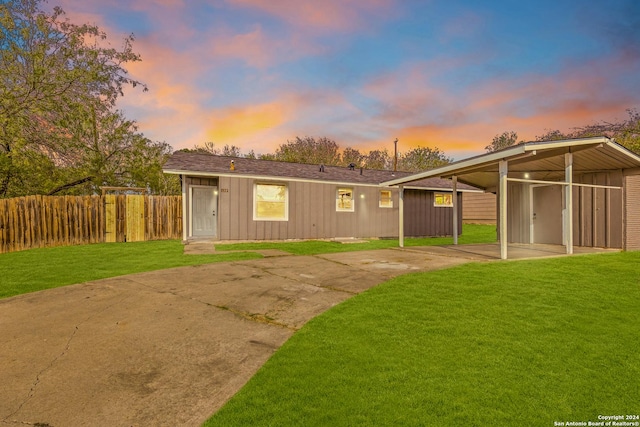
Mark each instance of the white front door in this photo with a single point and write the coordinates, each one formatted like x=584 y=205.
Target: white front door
x=547 y=214
x=203 y=211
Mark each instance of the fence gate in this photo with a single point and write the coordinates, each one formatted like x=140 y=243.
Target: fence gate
x=124 y=218
x=110 y=218
x=134 y=231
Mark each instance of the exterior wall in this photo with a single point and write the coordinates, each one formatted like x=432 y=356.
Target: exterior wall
x=312 y=213
x=632 y=212
x=597 y=212
x=518 y=209
x=421 y=218
x=479 y=208
x=193 y=181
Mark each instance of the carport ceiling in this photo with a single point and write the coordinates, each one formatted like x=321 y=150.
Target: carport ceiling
x=536 y=161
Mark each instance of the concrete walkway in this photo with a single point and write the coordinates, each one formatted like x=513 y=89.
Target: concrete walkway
x=168 y=348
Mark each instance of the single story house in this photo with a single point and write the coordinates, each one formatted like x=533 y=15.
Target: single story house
x=583 y=192
x=234 y=198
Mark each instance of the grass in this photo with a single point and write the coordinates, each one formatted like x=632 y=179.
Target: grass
x=504 y=343
x=471 y=233
x=45 y=268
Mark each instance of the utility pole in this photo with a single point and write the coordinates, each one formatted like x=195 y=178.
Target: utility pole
x=395 y=155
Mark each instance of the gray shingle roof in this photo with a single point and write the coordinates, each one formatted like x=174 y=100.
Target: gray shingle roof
x=209 y=164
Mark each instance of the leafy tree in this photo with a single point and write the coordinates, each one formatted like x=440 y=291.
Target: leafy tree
x=422 y=158
x=504 y=140
x=378 y=159
x=309 y=150
x=210 y=148
x=551 y=135
x=352 y=155
x=625 y=132
x=59 y=129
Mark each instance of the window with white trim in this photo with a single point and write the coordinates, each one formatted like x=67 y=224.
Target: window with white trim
x=344 y=199
x=443 y=200
x=386 y=201
x=270 y=202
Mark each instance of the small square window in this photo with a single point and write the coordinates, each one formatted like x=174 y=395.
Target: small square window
x=386 y=201
x=344 y=200
x=443 y=200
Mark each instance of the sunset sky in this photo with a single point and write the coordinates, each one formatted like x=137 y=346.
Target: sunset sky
x=446 y=74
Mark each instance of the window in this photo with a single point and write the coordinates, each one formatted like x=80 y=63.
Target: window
x=270 y=202
x=344 y=200
x=385 y=199
x=443 y=200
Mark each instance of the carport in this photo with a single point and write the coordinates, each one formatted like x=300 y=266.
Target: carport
x=583 y=192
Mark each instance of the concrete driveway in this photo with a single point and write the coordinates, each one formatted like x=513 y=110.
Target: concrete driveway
x=169 y=347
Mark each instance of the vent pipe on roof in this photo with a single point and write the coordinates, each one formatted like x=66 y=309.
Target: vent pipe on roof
x=360 y=170
x=321 y=168
x=352 y=166
x=232 y=166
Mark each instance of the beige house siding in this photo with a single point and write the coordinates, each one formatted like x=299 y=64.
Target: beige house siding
x=632 y=213
x=479 y=208
x=311 y=215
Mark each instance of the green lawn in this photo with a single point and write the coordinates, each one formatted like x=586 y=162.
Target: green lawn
x=471 y=233
x=522 y=343
x=38 y=269
x=45 y=268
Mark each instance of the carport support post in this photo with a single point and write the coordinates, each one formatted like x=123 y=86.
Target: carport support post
x=454 y=179
x=504 y=171
x=568 y=223
x=401 y=215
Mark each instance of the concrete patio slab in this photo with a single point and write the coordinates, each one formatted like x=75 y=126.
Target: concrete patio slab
x=516 y=251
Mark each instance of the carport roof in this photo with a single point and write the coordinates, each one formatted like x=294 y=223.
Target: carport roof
x=535 y=161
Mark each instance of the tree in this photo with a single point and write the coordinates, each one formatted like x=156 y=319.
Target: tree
x=625 y=132
x=210 y=148
x=352 y=155
x=309 y=150
x=504 y=140
x=551 y=135
x=422 y=158
x=378 y=159
x=58 y=86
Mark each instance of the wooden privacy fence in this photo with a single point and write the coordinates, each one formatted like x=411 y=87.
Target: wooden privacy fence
x=39 y=221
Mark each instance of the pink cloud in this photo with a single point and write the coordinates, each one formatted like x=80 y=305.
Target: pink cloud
x=327 y=15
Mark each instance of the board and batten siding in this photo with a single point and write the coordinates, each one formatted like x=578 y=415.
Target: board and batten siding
x=422 y=218
x=311 y=215
x=479 y=208
x=632 y=212
x=597 y=212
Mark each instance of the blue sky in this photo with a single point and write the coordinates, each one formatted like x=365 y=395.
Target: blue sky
x=446 y=74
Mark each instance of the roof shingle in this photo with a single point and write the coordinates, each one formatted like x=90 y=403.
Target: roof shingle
x=202 y=163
